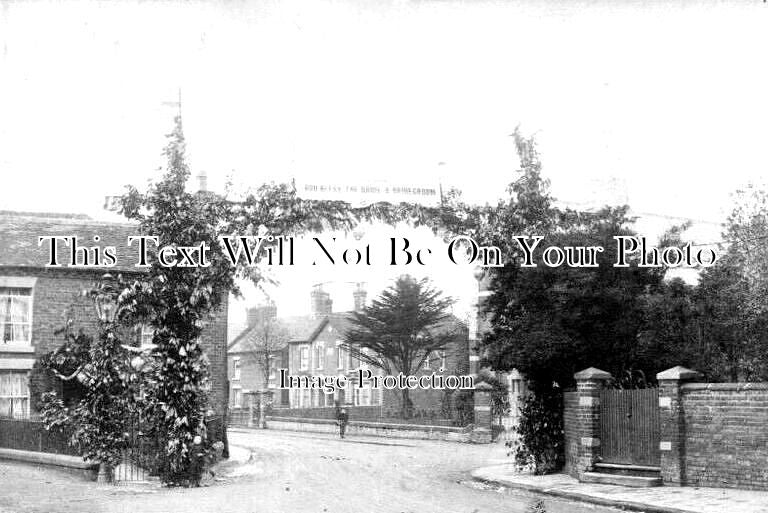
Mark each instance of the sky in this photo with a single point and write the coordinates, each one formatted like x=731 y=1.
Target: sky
x=661 y=105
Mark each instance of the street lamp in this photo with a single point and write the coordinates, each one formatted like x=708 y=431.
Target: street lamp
x=104 y=299
x=106 y=309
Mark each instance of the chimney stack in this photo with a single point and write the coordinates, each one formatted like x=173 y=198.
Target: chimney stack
x=259 y=314
x=321 y=302
x=359 y=295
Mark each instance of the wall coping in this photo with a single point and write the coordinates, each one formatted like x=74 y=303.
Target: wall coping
x=379 y=425
x=47 y=458
x=677 y=373
x=592 y=373
x=732 y=387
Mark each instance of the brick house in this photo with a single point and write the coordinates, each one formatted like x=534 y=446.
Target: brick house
x=36 y=301
x=314 y=348
x=245 y=353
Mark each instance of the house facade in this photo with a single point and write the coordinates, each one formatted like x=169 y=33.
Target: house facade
x=315 y=348
x=38 y=300
x=246 y=358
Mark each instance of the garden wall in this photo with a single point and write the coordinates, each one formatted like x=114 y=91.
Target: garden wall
x=710 y=434
x=726 y=434
x=360 y=413
x=572 y=437
x=380 y=429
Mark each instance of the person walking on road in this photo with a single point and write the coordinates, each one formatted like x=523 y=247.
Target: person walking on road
x=342 y=418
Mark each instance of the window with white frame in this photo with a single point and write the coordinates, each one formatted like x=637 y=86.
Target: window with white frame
x=146 y=335
x=341 y=356
x=375 y=397
x=236 y=368
x=237 y=397
x=320 y=356
x=14 y=394
x=363 y=396
x=272 y=369
x=15 y=315
x=364 y=363
x=304 y=358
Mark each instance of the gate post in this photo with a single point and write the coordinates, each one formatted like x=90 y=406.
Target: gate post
x=589 y=383
x=672 y=416
x=483 y=419
x=251 y=398
x=265 y=407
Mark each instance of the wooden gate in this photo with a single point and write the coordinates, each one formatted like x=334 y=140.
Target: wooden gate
x=630 y=427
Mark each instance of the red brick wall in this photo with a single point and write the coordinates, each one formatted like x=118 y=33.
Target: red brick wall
x=252 y=375
x=58 y=295
x=214 y=341
x=726 y=434
x=720 y=435
x=571 y=428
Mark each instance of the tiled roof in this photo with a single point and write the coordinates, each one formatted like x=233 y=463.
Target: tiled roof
x=304 y=329
x=19 y=232
x=300 y=329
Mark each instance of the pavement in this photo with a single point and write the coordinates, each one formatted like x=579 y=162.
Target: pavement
x=661 y=499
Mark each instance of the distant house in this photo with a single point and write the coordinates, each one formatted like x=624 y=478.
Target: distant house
x=246 y=355
x=314 y=348
x=36 y=301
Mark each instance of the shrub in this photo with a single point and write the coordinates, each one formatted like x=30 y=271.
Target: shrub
x=540 y=444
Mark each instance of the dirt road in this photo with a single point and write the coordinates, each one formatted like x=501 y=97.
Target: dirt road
x=294 y=472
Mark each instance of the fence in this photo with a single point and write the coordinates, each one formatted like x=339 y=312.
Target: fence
x=31 y=435
x=143 y=458
x=629 y=426
x=381 y=414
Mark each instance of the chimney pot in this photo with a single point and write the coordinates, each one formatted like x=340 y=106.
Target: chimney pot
x=259 y=314
x=359 y=296
x=202 y=181
x=321 y=303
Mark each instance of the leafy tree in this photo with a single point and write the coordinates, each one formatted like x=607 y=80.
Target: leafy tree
x=733 y=294
x=400 y=329
x=550 y=322
x=99 y=421
x=178 y=301
x=671 y=332
x=269 y=338
x=718 y=327
x=732 y=322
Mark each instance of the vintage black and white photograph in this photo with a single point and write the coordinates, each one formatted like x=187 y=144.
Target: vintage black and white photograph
x=383 y=256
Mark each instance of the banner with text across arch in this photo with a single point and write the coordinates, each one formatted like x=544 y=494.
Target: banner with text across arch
x=364 y=192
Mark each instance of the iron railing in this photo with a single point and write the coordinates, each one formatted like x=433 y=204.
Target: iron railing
x=31 y=435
